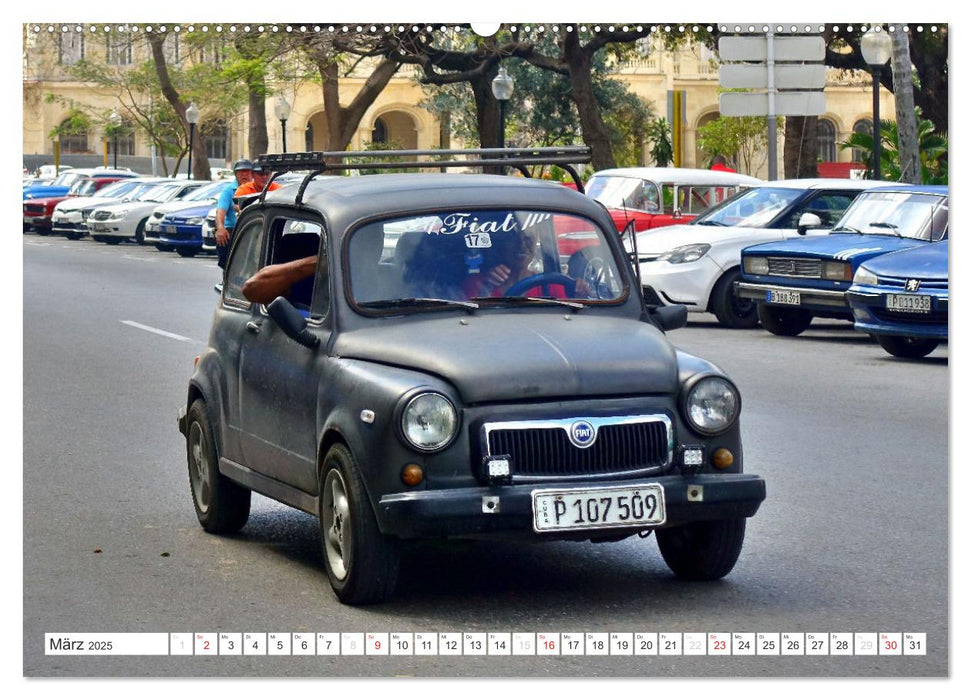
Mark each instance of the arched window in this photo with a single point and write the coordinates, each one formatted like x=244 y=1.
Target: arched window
x=74 y=137
x=216 y=136
x=380 y=132
x=825 y=141
x=862 y=126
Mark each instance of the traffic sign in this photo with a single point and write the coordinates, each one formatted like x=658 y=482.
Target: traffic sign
x=756 y=104
x=787 y=76
x=784 y=48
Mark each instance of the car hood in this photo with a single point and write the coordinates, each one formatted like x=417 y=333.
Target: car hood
x=169 y=207
x=37 y=192
x=129 y=205
x=512 y=356
x=190 y=212
x=848 y=247
x=661 y=240
x=75 y=203
x=927 y=262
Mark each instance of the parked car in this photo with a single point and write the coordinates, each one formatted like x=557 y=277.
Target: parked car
x=656 y=197
x=181 y=230
x=901 y=299
x=697 y=264
x=207 y=193
x=38 y=212
x=113 y=223
x=795 y=280
x=70 y=217
x=63 y=182
x=379 y=397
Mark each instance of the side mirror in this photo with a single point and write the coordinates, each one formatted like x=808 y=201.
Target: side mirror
x=807 y=221
x=291 y=322
x=672 y=317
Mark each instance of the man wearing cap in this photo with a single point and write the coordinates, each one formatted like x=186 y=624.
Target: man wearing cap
x=226 y=212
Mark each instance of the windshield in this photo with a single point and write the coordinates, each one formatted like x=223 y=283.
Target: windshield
x=756 y=208
x=160 y=193
x=83 y=187
x=116 y=189
x=66 y=179
x=619 y=192
x=487 y=257
x=210 y=191
x=905 y=214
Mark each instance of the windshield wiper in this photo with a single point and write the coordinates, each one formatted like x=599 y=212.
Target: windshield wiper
x=885 y=224
x=850 y=229
x=546 y=300
x=709 y=222
x=418 y=301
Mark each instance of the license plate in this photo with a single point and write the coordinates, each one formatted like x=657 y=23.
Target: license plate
x=911 y=303
x=596 y=508
x=99 y=227
x=168 y=229
x=782 y=296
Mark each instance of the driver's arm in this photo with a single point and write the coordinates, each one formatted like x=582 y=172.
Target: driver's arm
x=275 y=280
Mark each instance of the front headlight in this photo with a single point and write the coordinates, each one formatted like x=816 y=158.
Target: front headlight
x=118 y=215
x=711 y=405
x=835 y=270
x=429 y=422
x=864 y=276
x=195 y=221
x=685 y=253
x=754 y=265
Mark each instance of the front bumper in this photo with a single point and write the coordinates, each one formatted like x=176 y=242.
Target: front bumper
x=466 y=511
x=810 y=297
x=870 y=316
x=683 y=283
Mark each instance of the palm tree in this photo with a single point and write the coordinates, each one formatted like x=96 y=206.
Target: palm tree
x=932 y=147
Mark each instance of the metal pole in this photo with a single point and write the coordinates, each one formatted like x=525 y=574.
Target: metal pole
x=283 y=125
x=773 y=124
x=115 y=149
x=877 y=70
x=502 y=123
x=192 y=130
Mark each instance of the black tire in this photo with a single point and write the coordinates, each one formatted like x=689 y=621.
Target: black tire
x=362 y=564
x=186 y=252
x=42 y=231
x=782 y=321
x=729 y=309
x=140 y=232
x=222 y=506
x=111 y=240
x=97 y=239
x=74 y=236
x=906 y=346
x=703 y=551
x=162 y=248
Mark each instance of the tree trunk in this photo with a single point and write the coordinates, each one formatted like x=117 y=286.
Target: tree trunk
x=903 y=91
x=595 y=134
x=259 y=141
x=343 y=122
x=799 y=151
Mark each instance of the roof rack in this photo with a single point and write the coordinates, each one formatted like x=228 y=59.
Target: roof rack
x=326 y=161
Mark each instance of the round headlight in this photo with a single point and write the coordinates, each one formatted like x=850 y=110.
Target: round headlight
x=429 y=422
x=712 y=405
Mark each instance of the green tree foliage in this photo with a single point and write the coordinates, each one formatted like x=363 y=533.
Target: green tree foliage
x=932 y=147
x=743 y=138
x=659 y=134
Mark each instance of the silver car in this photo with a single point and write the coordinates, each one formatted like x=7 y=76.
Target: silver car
x=126 y=220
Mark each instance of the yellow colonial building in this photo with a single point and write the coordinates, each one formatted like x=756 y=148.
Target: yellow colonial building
x=50 y=93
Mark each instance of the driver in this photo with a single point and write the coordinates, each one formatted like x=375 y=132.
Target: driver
x=514 y=253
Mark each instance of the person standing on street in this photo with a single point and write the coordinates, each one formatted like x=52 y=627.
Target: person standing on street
x=226 y=212
x=720 y=163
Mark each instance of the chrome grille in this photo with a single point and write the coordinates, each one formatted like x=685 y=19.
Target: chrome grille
x=543 y=449
x=796 y=267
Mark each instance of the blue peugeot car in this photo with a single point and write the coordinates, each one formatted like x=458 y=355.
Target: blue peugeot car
x=181 y=230
x=901 y=299
x=796 y=280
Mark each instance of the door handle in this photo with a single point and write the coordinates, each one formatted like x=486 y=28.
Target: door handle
x=253 y=327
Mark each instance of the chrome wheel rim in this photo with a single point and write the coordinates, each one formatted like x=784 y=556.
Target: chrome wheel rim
x=200 y=469
x=336 y=521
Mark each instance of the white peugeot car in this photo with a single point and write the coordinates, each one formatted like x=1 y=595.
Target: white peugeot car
x=125 y=221
x=697 y=264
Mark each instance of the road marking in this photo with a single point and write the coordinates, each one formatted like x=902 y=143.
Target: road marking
x=158 y=332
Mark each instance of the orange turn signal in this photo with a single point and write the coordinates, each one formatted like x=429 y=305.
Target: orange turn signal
x=723 y=458
x=412 y=475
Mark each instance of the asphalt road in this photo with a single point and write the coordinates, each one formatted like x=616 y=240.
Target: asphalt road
x=853 y=537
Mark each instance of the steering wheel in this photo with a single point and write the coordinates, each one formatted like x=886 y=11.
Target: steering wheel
x=543 y=281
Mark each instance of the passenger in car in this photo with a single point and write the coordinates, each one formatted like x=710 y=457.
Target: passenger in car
x=277 y=280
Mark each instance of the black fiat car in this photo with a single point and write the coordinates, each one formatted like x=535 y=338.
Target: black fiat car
x=458 y=367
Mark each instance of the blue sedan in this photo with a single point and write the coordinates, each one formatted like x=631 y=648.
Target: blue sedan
x=901 y=298
x=795 y=280
x=182 y=230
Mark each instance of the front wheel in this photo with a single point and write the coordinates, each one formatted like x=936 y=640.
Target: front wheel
x=780 y=321
x=222 y=506
x=703 y=551
x=186 y=252
x=907 y=347
x=730 y=309
x=362 y=564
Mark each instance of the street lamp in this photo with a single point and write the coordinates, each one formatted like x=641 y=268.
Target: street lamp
x=191 y=116
x=115 y=120
x=876 y=46
x=282 y=111
x=502 y=86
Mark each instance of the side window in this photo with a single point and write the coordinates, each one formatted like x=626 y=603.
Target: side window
x=244 y=263
x=295 y=239
x=828 y=206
